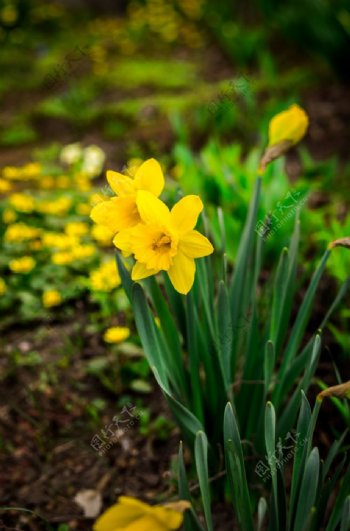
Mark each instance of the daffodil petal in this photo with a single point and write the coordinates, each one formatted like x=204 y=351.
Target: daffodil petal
x=151 y=209
x=170 y=518
x=121 y=184
x=195 y=245
x=118 y=517
x=140 y=271
x=123 y=241
x=117 y=213
x=149 y=176
x=146 y=523
x=182 y=273
x=184 y=214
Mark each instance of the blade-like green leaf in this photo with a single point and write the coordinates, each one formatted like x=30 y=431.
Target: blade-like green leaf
x=191 y=521
x=308 y=490
x=201 y=458
x=270 y=444
x=236 y=471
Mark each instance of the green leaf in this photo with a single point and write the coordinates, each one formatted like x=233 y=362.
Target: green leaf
x=299 y=452
x=125 y=276
x=270 y=444
x=191 y=522
x=225 y=333
x=308 y=490
x=345 y=518
x=201 y=458
x=278 y=297
x=301 y=321
x=238 y=289
x=149 y=334
x=188 y=423
x=236 y=471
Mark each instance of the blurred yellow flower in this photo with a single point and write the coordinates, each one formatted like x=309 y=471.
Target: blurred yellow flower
x=51 y=298
x=3 y=287
x=289 y=125
x=31 y=170
x=28 y=171
x=9 y=215
x=58 y=207
x=57 y=240
x=116 y=334
x=5 y=186
x=47 y=182
x=76 y=228
x=102 y=235
x=19 y=232
x=22 y=265
x=62 y=258
x=84 y=251
x=22 y=202
x=134 y=515
x=165 y=240
x=106 y=277
x=11 y=172
x=82 y=182
x=119 y=213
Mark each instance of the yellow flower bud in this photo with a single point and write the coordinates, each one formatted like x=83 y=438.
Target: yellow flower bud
x=289 y=125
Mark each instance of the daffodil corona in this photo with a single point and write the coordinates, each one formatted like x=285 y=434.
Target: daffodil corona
x=165 y=240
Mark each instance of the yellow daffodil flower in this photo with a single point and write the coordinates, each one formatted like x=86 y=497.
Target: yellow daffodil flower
x=165 y=240
x=119 y=213
x=285 y=129
x=3 y=288
x=130 y=514
x=51 y=298
x=22 y=265
x=116 y=334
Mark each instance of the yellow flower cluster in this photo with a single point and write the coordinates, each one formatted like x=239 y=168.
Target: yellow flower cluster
x=29 y=171
x=159 y=239
x=116 y=334
x=51 y=298
x=22 y=265
x=56 y=207
x=80 y=252
x=19 y=232
x=57 y=240
x=22 y=202
x=106 y=277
